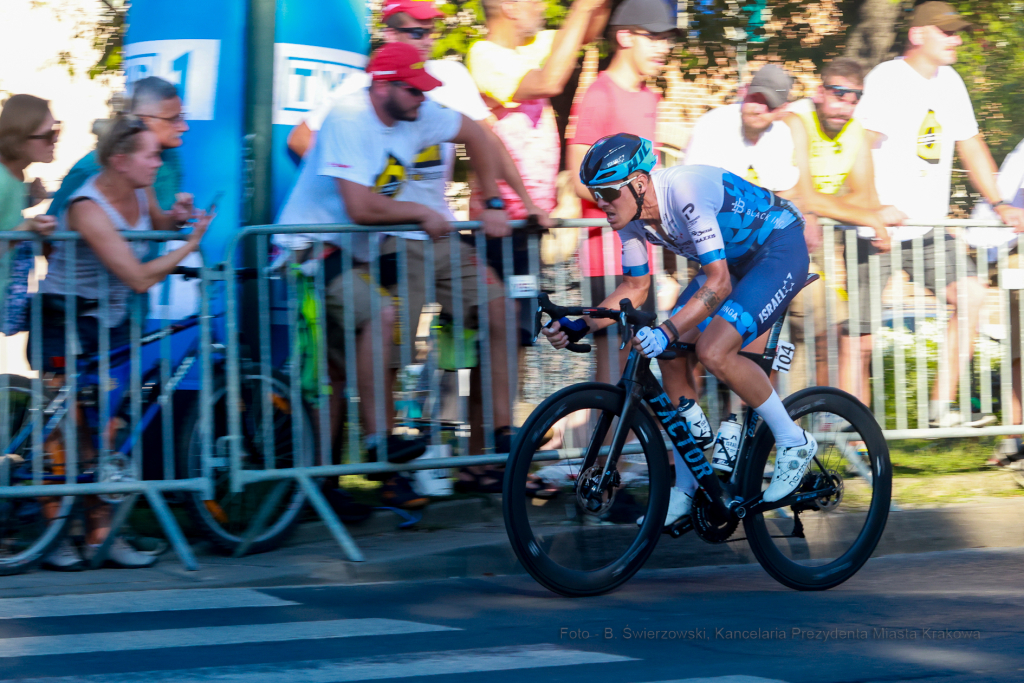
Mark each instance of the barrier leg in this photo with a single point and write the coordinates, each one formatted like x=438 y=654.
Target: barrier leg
x=262 y=515
x=171 y=528
x=120 y=517
x=337 y=529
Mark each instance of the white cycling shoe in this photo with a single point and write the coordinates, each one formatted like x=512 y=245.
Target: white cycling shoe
x=791 y=465
x=679 y=505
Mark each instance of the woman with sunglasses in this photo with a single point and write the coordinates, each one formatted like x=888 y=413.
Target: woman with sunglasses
x=118 y=199
x=28 y=135
x=750 y=245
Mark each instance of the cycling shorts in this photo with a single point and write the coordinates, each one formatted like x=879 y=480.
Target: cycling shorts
x=762 y=286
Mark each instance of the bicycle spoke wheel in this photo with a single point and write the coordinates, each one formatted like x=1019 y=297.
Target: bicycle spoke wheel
x=225 y=519
x=30 y=527
x=820 y=542
x=573 y=535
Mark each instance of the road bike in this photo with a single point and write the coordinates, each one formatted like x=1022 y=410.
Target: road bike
x=271 y=427
x=600 y=451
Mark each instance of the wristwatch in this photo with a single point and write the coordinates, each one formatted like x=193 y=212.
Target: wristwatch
x=494 y=203
x=1001 y=202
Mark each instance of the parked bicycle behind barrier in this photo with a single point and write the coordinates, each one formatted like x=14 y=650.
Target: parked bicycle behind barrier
x=599 y=519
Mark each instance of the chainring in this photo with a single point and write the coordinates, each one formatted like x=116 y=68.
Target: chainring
x=708 y=524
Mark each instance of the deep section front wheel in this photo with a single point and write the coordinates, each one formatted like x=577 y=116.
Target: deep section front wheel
x=573 y=533
x=818 y=543
x=283 y=432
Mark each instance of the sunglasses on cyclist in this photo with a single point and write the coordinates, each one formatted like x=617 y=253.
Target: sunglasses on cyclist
x=50 y=136
x=416 y=32
x=840 y=92
x=609 y=193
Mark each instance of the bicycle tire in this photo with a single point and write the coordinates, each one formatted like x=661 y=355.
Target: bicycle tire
x=813 y=562
x=604 y=554
x=224 y=520
x=26 y=538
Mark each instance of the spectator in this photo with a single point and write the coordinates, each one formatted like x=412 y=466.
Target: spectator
x=988 y=240
x=917 y=112
x=834 y=162
x=640 y=34
x=119 y=198
x=28 y=135
x=413 y=22
x=361 y=162
x=517 y=69
x=156 y=102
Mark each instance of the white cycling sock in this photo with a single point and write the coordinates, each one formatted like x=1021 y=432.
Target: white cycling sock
x=786 y=432
x=684 y=477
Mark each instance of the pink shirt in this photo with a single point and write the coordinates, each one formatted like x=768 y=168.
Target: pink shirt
x=607 y=109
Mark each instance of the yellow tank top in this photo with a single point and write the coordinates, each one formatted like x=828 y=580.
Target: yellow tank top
x=831 y=158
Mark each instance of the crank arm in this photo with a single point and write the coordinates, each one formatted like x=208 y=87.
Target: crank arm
x=757 y=505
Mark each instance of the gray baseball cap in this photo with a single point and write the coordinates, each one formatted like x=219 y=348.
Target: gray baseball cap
x=651 y=15
x=773 y=83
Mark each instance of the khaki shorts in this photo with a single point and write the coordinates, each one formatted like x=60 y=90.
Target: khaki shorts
x=360 y=299
x=444 y=278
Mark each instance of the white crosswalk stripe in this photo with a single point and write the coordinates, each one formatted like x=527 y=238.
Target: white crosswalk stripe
x=121 y=641
x=137 y=601
x=368 y=668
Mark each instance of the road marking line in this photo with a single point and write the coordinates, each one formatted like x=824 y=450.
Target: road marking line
x=366 y=668
x=120 y=641
x=138 y=601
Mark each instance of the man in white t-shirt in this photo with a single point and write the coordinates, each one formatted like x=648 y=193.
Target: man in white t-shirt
x=356 y=172
x=917 y=112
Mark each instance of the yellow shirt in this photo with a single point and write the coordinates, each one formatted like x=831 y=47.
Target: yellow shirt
x=498 y=70
x=831 y=159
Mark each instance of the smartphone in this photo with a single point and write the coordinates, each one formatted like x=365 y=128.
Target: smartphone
x=213 y=204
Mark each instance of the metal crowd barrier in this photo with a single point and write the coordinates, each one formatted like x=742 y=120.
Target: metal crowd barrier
x=146 y=368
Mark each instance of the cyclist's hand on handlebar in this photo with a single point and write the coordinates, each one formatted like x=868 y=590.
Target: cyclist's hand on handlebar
x=651 y=342
x=565 y=331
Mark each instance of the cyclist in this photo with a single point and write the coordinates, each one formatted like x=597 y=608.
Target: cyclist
x=754 y=260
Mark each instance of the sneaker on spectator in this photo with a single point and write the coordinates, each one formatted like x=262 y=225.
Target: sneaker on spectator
x=64 y=558
x=398 y=493
x=123 y=556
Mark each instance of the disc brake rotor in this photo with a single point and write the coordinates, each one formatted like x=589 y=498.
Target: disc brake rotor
x=590 y=500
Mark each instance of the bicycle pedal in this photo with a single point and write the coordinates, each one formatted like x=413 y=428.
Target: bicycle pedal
x=679 y=527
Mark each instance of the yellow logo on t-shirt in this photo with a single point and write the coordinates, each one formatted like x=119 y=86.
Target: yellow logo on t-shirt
x=428 y=164
x=752 y=176
x=929 y=139
x=389 y=183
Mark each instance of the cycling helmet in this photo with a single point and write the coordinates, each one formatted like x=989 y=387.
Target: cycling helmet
x=614 y=157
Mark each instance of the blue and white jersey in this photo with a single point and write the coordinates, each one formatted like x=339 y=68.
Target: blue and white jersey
x=707 y=215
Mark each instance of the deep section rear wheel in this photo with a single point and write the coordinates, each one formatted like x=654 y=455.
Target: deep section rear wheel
x=225 y=519
x=27 y=535
x=572 y=535
x=821 y=542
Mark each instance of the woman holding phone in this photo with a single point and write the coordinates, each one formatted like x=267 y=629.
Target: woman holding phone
x=118 y=199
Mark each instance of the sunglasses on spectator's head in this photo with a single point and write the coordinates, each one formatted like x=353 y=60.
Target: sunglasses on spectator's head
x=50 y=136
x=415 y=92
x=609 y=193
x=416 y=32
x=840 y=92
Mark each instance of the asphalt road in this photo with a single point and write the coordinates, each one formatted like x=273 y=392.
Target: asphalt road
x=953 y=617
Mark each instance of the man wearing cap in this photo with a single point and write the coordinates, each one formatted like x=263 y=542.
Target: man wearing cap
x=749 y=138
x=917 y=113
x=357 y=172
x=640 y=32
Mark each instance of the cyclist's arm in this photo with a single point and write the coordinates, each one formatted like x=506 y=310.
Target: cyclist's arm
x=707 y=299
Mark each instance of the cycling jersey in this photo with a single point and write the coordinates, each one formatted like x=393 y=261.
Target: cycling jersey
x=707 y=214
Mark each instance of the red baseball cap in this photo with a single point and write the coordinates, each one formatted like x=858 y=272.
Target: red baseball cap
x=401 y=62
x=421 y=10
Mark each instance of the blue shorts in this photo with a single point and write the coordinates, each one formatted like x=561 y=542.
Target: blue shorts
x=762 y=286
